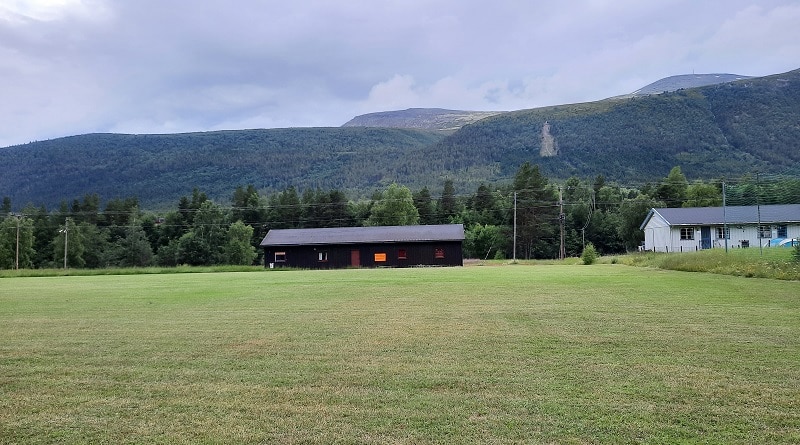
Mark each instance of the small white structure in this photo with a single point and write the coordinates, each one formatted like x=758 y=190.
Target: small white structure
x=695 y=228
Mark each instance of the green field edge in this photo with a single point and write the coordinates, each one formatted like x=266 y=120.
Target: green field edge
x=775 y=264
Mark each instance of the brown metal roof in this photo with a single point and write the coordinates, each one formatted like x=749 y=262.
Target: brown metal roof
x=361 y=235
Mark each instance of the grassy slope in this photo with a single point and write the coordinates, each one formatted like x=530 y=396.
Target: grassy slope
x=777 y=263
x=566 y=354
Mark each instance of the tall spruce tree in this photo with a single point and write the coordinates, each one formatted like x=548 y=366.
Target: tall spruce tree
x=425 y=205
x=672 y=190
x=447 y=207
x=537 y=214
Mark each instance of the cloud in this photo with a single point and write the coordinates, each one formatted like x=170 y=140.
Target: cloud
x=76 y=66
x=24 y=11
x=771 y=34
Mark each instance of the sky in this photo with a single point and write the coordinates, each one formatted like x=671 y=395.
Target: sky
x=72 y=67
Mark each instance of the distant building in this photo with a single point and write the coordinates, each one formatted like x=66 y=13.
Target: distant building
x=695 y=228
x=382 y=246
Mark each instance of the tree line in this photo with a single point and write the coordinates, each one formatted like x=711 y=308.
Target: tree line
x=200 y=231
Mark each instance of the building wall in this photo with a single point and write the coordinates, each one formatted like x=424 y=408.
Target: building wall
x=657 y=235
x=444 y=253
x=661 y=238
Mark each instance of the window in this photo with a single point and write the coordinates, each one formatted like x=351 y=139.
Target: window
x=783 y=231
x=764 y=231
x=687 y=233
x=402 y=254
x=438 y=253
x=380 y=257
x=727 y=233
x=322 y=256
x=280 y=257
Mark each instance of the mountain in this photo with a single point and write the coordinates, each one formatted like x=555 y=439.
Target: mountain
x=674 y=83
x=420 y=118
x=450 y=120
x=727 y=129
x=160 y=168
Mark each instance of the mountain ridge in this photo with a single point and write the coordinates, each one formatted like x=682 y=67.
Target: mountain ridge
x=682 y=81
x=450 y=120
x=420 y=118
x=729 y=129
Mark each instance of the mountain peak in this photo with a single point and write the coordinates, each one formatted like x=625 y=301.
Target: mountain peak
x=420 y=118
x=673 y=83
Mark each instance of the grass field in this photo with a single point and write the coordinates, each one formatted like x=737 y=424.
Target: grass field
x=778 y=263
x=509 y=354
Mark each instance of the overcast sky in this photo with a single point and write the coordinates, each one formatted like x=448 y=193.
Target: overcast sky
x=156 y=66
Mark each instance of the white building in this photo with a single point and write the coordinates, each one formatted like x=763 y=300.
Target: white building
x=695 y=228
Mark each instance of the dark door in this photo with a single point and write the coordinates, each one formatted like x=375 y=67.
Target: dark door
x=705 y=237
x=355 y=258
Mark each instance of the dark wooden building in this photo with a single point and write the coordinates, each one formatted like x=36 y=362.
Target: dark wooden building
x=384 y=246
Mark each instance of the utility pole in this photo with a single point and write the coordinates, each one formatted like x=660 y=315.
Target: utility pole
x=66 y=237
x=758 y=209
x=515 y=227
x=562 y=253
x=17 y=260
x=725 y=232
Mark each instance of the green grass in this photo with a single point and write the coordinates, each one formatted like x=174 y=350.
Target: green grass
x=125 y=271
x=521 y=354
x=777 y=263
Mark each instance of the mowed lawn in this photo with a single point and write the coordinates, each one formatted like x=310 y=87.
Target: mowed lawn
x=507 y=354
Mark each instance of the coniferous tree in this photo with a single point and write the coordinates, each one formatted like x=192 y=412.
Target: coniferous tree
x=134 y=248
x=284 y=210
x=447 y=207
x=672 y=190
x=247 y=206
x=537 y=214
x=425 y=205
x=336 y=211
x=6 y=207
x=43 y=233
x=631 y=214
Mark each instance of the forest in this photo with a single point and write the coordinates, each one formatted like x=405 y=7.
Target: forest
x=200 y=231
x=718 y=131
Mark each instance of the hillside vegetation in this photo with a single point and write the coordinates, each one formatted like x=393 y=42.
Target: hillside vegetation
x=160 y=168
x=722 y=130
x=729 y=129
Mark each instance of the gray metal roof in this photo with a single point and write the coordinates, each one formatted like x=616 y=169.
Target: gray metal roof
x=689 y=216
x=360 y=235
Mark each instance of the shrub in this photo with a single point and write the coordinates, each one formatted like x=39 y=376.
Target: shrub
x=589 y=254
x=796 y=253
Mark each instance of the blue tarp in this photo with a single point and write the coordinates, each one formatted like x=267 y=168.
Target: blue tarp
x=783 y=242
